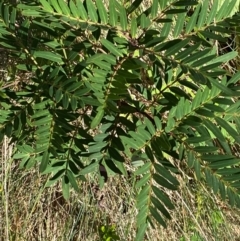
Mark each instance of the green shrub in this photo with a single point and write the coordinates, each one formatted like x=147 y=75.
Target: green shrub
x=108 y=233
x=114 y=86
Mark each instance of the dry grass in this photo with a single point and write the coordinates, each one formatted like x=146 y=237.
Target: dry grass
x=31 y=212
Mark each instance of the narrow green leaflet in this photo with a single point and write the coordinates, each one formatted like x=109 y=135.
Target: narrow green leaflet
x=232 y=7
x=199 y=98
x=74 y=9
x=89 y=169
x=196 y=55
x=144 y=199
x=175 y=48
x=101 y=137
x=95 y=58
x=198 y=139
x=97 y=147
x=144 y=179
x=222 y=190
x=44 y=162
x=197 y=169
x=233 y=108
x=157 y=149
x=134 y=5
x=123 y=18
x=65 y=187
x=133 y=27
x=234 y=78
x=203 y=60
x=141 y=141
x=118 y=160
x=213 y=12
x=208 y=175
x=143 y=194
x=56 y=6
x=145 y=134
x=129 y=142
x=205 y=149
x=215 y=184
x=163 y=142
x=237 y=123
x=231 y=197
x=46 y=6
x=179 y=24
x=163 y=182
x=223 y=88
x=167 y=26
x=31 y=13
x=149 y=153
x=163 y=197
x=179 y=92
x=176 y=11
x=157 y=216
x=224 y=163
x=185 y=3
x=158 y=123
x=58 y=95
x=183 y=54
x=72 y=180
x=144 y=21
x=64 y=7
x=228 y=128
x=157 y=204
x=41 y=105
x=97 y=119
x=65 y=101
x=74 y=86
x=141 y=232
x=111 y=47
x=40 y=113
x=4 y=31
x=213 y=158
x=81 y=10
x=110 y=59
x=121 y=167
x=20 y=155
x=193 y=19
x=113 y=15
x=214 y=129
x=143 y=169
x=198 y=77
x=92 y=13
x=154 y=8
x=203 y=14
x=222 y=11
x=225 y=58
x=6 y=15
x=163 y=4
x=55 y=57
x=102 y=11
x=211 y=35
x=166 y=174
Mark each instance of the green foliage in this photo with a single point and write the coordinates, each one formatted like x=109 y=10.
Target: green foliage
x=108 y=233
x=113 y=85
